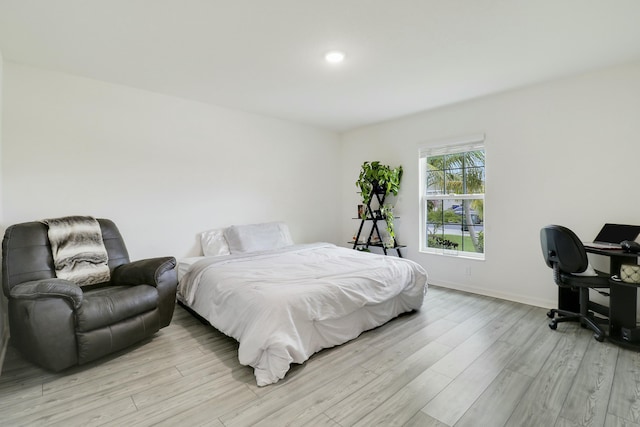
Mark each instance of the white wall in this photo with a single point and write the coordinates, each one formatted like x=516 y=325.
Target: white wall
x=4 y=321
x=564 y=152
x=165 y=168
x=162 y=168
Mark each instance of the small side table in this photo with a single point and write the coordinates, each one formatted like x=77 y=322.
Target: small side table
x=623 y=329
x=622 y=300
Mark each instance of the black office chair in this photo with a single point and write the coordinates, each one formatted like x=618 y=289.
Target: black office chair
x=564 y=253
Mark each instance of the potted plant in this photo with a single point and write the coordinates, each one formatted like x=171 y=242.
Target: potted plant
x=376 y=178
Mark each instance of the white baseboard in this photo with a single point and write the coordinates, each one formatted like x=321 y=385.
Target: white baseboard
x=523 y=299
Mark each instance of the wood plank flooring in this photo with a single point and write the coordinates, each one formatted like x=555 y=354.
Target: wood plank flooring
x=463 y=360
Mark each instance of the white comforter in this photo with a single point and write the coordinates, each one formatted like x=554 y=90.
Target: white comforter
x=284 y=305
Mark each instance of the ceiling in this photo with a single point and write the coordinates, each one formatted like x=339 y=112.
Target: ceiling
x=266 y=56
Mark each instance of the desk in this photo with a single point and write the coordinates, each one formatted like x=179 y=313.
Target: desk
x=622 y=297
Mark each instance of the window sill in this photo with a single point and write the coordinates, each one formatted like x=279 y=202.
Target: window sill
x=453 y=254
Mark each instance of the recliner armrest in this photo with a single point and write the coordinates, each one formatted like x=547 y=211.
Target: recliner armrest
x=49 y=288
x=143 y=272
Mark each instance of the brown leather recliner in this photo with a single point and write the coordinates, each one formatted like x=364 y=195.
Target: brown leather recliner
x=57 y=324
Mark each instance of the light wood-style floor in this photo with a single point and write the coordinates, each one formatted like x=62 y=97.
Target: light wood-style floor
x=464 y=360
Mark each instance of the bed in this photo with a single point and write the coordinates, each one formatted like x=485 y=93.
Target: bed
x=284 y=302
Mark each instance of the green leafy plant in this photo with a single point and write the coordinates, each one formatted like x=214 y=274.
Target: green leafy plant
x=377 y=178
x=387 y=213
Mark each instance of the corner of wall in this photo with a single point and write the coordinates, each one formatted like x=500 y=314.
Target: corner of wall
x=4 y=320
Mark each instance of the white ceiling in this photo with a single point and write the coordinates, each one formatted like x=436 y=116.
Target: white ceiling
x=266 y=56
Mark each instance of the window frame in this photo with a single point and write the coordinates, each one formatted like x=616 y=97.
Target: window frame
x=457 y=145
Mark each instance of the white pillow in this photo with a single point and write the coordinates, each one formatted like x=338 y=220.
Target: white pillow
x=257 y=237
x=214 y=243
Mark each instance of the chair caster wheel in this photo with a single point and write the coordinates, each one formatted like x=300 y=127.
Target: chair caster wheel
x=553 y=325
x=550 y=314
x=599 y=338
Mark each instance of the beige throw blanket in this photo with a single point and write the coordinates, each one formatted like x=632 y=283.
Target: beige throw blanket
x=78 y=251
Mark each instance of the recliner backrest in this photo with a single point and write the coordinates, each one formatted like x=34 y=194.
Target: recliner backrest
x=26 y=253
x=562 y=247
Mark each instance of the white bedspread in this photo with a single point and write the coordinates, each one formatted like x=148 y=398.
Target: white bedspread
x=284 y=305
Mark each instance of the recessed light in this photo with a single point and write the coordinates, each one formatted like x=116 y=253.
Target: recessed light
x=334 y=57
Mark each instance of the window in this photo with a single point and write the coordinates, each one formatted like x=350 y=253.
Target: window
x=452 y=186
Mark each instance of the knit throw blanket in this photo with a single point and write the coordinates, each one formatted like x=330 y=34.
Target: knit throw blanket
x=78 y=251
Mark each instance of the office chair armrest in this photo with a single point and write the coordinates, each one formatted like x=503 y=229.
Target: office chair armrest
x=144 y=272
x=48 y=288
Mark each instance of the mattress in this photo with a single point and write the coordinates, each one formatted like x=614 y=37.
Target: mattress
x=284 y=305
